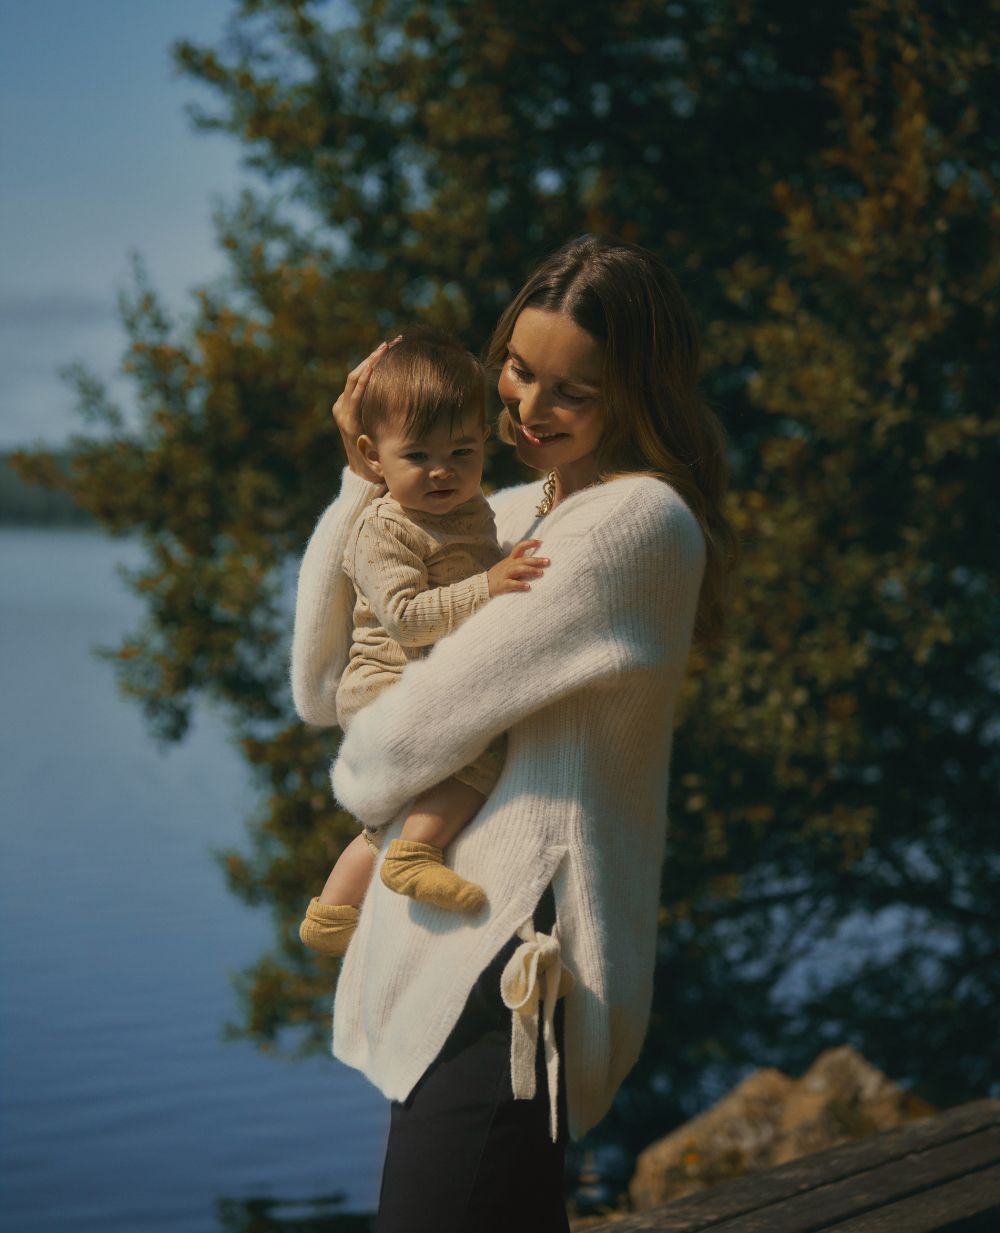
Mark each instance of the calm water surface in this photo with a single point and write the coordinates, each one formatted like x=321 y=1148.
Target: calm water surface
x=120 y=1107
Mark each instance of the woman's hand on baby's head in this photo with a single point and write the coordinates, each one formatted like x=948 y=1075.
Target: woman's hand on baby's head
x=510 y=573
x=346 y=411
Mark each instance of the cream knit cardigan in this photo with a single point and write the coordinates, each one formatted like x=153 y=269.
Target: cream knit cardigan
x=583 y=671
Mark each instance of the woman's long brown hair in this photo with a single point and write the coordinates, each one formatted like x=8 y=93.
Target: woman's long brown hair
x=657 y=421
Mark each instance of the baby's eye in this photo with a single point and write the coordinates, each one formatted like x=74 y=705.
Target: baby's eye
x=415 y=456
x=463 y=452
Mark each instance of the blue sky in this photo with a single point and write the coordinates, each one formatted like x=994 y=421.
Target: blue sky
x=97 y=159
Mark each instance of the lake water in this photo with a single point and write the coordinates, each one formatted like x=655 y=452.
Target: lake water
x=120 y=1106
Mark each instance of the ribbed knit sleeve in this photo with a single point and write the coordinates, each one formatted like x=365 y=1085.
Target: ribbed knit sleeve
x=598 y=612
x=324 y=605
x=391 y=573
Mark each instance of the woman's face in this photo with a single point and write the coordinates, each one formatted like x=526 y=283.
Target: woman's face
x=551 y=385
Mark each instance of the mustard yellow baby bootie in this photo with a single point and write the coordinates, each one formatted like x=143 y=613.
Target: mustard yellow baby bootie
x=328 y=927
x=418 y=870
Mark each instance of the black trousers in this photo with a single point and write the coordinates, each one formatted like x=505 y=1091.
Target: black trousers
x=463 y=1155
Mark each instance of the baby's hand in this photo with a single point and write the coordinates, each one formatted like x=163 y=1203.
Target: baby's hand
x=507 y=575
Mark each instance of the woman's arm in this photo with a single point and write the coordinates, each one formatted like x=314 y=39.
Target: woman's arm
x=324 y=605
x=612 y=601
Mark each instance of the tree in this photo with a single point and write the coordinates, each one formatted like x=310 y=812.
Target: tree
x=824 y=181
x=846 y=746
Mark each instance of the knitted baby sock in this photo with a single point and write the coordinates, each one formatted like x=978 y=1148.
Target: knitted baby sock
x=328 y=927
x=418 y=870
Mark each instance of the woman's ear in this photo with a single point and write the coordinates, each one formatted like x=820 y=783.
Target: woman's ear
x=369 y=452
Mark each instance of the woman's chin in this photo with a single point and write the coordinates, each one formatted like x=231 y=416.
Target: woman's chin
x=529 y=456
x=540 y=458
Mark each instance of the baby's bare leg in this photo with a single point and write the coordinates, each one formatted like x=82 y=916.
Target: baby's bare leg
x=349 y=878
x=440 y=813
x=332 y=918
x=414 y=863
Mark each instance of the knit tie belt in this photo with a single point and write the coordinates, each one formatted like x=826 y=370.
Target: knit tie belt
x=534 y=971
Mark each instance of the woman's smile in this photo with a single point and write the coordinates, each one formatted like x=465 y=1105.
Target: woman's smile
x=537 y=438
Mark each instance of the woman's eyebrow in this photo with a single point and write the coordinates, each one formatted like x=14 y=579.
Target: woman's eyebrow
x=514 y=355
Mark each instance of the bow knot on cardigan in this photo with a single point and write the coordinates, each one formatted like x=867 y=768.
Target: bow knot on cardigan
x=535 y=973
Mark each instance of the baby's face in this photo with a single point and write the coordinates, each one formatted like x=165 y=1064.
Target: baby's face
x=436 y=473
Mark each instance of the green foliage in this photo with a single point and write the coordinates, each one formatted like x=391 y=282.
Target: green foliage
x=824 y=180
x=840 y=763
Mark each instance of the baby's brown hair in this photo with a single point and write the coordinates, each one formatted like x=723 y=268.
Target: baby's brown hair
x=421 y=380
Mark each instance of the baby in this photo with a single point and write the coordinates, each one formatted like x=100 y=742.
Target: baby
x=423 y=559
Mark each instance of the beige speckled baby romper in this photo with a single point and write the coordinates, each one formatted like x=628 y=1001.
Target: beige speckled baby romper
x=416 y=577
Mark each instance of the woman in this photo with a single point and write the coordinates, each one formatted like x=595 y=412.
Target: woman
x=463 y=1021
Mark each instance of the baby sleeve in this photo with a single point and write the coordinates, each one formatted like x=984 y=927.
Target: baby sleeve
x=390 y=571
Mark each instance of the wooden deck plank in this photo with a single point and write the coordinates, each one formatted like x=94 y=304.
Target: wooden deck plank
x=705 y=1212
x=967 y=1196
x=831 y=1203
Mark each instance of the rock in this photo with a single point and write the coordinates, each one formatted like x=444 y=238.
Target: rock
x=842 y=1097
x=715 y=1145
x=770 y=1118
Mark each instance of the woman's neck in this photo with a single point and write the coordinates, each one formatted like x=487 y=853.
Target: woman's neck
x=573 y=477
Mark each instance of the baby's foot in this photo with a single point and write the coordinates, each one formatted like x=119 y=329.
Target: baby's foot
x=328 y=927
x=418 y=870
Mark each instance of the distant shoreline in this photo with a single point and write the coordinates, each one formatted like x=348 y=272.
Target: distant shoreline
x=31 y=505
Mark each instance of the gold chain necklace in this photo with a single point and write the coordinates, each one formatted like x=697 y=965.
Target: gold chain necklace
x=548 y=495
